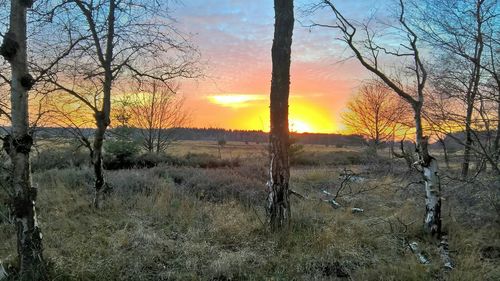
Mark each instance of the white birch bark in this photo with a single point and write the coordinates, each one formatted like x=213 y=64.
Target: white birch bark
x=18 y=145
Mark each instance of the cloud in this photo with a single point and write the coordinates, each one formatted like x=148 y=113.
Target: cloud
x=236 y=100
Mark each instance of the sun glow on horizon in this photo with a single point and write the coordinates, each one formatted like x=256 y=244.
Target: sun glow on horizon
x=252 y=113
x=299 y=126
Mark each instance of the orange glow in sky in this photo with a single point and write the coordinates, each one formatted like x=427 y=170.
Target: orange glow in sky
x=235 y=39
x=251 y=112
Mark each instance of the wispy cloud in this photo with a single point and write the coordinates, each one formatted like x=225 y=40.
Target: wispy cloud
x=236 y=100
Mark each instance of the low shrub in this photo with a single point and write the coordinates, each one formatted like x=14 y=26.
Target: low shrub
x=130 y=182
x=338 y=158
x=219 y=185
x=70 y=178
x=149 y=160
x=121 y=149
x=205 y=160
x=60 y=158
x=328 y=158
x=120 y=154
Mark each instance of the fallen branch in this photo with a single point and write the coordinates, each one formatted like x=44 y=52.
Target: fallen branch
x=293 y=192
x=3 y=273
x=357 y=210
x=444 y=252
x=420 y=256
x=333 y=203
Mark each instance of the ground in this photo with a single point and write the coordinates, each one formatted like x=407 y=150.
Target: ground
x=184 y=222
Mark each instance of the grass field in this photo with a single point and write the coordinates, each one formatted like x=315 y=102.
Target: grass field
x=184 y=222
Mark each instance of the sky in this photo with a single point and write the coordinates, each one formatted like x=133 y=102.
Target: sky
x=235 y=39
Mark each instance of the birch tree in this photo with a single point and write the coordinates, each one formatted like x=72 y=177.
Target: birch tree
x=278 y=202
x=18 y=144
x=120 y=39
x=411 y=89
x=459 y=33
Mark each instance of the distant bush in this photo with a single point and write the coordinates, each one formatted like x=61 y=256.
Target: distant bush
x=332 y=158
x=120 y=154
x=149 y=160
x=205 y=160
x=305 y=159
x=121 y=148
x=220 y=185
x=60 y=158
x=134 y=181
x=71 y=178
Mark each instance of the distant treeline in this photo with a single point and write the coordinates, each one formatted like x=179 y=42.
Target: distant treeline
x=251 y=136
x=214 y=134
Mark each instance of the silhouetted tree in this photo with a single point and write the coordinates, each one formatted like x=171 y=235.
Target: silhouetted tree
x=376 y=113
x=278 y=203
x=154 y=110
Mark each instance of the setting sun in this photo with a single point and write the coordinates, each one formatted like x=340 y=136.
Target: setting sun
x=299 y=126
x=251 y=112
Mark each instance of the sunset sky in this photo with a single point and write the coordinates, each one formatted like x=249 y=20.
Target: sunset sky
x=235 y=39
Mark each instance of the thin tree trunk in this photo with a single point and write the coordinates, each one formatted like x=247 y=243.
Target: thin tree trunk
x=496 y=144
x=97 y=160
x=468 y=143
x=103 y=117
x=158 y=139
x=278 y=203
x=432 y=219
x=18 y=146
x=445 y=151
x=473 y=89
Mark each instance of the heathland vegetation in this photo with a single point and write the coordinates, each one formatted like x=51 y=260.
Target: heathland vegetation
x=102 y=181
x=194 y=216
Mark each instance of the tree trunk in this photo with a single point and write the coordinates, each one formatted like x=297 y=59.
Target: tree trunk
x=496 y=144
x=158 y=140
x=18 y=145
x=468 y=143
x=473 y=90
x=432 y=219
x=278 y=203
x=445 y=151
x=97 y=160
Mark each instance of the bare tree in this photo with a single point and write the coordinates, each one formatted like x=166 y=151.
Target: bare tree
x=411 y=89
x=278 y=203
x=376 y=113
x=18 y=145
x=460 y=33
x=155 y=110
x=117 y=39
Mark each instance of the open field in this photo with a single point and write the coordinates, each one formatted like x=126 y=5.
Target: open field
x=184 y=222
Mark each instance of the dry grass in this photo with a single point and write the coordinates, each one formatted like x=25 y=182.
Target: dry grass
x=155 y=227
